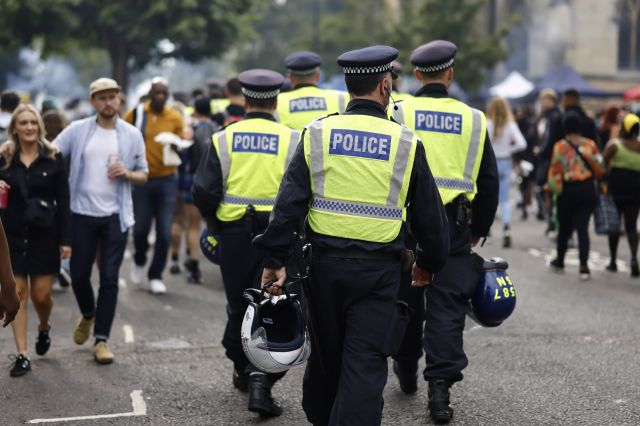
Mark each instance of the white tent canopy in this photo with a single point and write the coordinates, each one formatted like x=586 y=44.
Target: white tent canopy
x=514 y=86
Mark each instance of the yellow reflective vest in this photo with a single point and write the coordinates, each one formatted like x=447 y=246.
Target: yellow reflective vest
x=453 y=135
x=253 y=155
x=360 y=168
x=299 y=107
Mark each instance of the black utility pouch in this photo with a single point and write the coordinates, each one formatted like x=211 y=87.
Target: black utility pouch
x=396 y=329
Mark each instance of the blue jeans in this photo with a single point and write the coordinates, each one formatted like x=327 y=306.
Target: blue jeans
x=156 y=199
x=505 y=167
x=87 y=233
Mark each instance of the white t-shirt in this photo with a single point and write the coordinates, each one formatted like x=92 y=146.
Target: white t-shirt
x=101 y=192
x=508 y=142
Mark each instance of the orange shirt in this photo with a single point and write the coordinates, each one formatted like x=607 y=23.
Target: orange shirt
x=169 y=120
x=567 y=166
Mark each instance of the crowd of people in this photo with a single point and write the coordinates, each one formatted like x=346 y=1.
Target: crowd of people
x=73 y=191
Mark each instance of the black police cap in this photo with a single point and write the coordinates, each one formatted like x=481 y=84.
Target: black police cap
x=261 y=83
x=437 y=55
x=369 y=60
x=303 y=62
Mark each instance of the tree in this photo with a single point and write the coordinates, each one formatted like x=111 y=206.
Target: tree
x=133 y=32
x=456 y=21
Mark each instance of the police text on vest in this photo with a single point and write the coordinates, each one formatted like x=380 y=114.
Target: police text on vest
x=442 y=122
x=262 y=143
x=307 y=104
x=354 y=143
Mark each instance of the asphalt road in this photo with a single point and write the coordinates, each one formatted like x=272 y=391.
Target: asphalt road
x=570 y=354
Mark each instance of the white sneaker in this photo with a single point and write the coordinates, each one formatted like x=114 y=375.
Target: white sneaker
x=157 y=287
x=137 y=274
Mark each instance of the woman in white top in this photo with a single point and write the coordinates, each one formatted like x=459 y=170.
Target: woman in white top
x=506 y=140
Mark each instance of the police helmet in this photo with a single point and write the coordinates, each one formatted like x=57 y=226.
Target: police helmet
x=210 y=246
x=495 y=297
x=274 y=332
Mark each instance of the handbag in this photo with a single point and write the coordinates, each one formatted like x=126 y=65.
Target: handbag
x=38 y=212
x=606 y=216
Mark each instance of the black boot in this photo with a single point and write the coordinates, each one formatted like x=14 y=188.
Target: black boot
x=260 y=399
x=241 y=381
x=407 y=373
x=439 y=409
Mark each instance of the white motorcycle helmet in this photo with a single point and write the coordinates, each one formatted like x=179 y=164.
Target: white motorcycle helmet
x=274 y=331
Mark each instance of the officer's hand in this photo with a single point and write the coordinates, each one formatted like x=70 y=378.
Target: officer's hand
x=474 y=241
x=420 y=277
x=277 y=276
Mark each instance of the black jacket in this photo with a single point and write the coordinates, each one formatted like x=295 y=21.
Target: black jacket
x=588 y=129
x=485 y=203
x=427 y=217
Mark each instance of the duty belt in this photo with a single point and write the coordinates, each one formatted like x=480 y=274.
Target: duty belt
x=354 y=253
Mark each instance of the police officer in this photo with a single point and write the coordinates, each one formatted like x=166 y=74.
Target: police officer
x=464 y=168
x=307 y=101
x=357 y=176
x=396 y=94
x=234 y=188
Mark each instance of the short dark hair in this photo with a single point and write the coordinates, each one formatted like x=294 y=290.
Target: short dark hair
x=361 y=85
x=233 y=87
x=269 y=103
x=9 y=100
x=571 y=93
x=571 y=123
x=202 y=106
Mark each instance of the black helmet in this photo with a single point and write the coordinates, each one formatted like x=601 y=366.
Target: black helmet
x=274 y=331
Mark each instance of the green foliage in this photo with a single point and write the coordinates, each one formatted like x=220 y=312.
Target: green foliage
x=457 y=21
x=129 y=30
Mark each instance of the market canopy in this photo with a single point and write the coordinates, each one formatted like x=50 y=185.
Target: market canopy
x=632 y=94
x=513 y=86
x=566 y=77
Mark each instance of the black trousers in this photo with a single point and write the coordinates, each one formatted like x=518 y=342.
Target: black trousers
x=447 y=302
x=353 y=301
x=411 y=347
x=241 y=268
x=575 y=205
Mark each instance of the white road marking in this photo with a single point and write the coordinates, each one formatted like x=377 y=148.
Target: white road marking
x=597 y=261
x=137 y=403
x=128 y=333
x=475 y=327
x=535 y=252
x=122 y=283
x=168 y=307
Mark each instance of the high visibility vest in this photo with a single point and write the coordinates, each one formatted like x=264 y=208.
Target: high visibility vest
x=360 y=168
x=253 y=155
x=299 y=107
x=400 y=96
x=218 y=105
x=453 y=136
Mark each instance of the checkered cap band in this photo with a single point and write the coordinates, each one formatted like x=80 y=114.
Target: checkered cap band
x=356 y=209
x=256 y=94
x=231 y=199
x=436 y=68
x=368 y=70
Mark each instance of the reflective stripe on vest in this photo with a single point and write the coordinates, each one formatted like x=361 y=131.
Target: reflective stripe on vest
x=359 y=210
x=253 y=156
x=232 y=199
x=450 y=182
